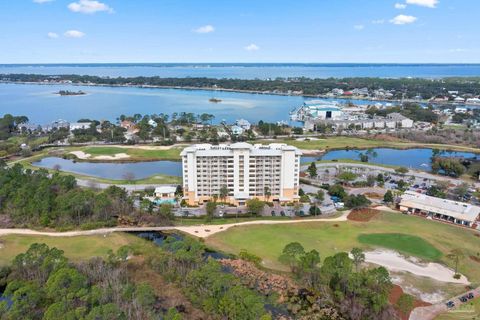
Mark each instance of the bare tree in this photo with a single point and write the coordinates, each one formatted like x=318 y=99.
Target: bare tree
x=129 y=176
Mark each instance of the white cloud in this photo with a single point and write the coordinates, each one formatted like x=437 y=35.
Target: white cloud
x=204 y=29
x=252 y=47
x=359 y=27
x=42 y=1
x=458 y=50
x=379 y=21
x=74 y=34
x=403 y=19
x=52 y=35
x=424 y=3
x=400 y=6
x=89 y=6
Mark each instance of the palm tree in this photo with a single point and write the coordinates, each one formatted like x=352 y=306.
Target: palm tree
x=267 y=192
x=223 y=193
x=358 y=257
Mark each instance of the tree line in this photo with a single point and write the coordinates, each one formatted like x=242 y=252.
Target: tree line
x=404 y=87
x=43 y=284
x=37 y=198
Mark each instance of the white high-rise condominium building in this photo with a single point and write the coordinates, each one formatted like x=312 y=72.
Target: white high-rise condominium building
x=267 y=172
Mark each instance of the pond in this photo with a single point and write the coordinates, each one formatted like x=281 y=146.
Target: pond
x=159 y=238
x=113 y=171
x=418 y=158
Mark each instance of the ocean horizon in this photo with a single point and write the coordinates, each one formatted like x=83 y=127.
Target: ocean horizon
x=250 y=70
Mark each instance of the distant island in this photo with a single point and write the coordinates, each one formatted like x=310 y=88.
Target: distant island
x=215 y=100
x=70 y=93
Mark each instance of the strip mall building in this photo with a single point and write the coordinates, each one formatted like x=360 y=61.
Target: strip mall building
x=455 y=212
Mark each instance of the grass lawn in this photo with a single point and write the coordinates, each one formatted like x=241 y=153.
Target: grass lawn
x=75 y=248
x=104 y=151
x=469 y=311
x=407 y=244
x=328 y=238
x=360 y=143
x=134 y=153
x=216 y=221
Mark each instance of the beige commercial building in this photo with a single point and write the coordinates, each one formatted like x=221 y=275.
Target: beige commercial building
x=455 y=212
x=267 y=172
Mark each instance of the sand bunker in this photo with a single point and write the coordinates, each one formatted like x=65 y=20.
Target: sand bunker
x=117 y=156
x=84 y=156
x=396 y=262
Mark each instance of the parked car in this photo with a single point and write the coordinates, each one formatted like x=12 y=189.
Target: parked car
x=464 y=299
x=470 y=296
x=450 y=304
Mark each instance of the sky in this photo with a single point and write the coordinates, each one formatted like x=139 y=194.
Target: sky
x=329 y=31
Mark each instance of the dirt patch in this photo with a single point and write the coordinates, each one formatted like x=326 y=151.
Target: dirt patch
x=362 y=215
x=373 y=195
x=477 y=235
x=336 y=225
x=265 y=282
x=395 y=294
x=475 y=258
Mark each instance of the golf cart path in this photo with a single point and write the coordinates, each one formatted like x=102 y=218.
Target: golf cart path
x=201 y=231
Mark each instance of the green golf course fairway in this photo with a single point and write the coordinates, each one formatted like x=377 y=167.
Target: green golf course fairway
x=407 y=244
x=76 y=248
x=432 y=241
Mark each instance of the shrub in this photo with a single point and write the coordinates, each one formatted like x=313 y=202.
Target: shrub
x=247 y=256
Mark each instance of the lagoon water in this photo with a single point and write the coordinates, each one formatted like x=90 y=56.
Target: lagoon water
x=114 y=171
x=251 y=70
x=410 y=158
x=42 y=106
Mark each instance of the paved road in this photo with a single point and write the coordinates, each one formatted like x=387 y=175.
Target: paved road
x=417 y=174
x=431 y=312
x=128 y=187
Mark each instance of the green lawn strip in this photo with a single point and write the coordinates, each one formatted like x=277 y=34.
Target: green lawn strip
x=403 y=243
x=220 y=221
x=328 y=238
x=104 y=151
x=76 y=248
x=365 y=143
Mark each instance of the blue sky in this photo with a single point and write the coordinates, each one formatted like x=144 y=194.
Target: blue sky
x=59 y=31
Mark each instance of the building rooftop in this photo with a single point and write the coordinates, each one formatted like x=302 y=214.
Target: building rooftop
x=165 y=189
x=226 y=150
x=455 y=209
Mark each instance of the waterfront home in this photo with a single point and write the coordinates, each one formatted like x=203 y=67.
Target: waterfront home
x=152 y=123
x=79 y=126
x=165 y=194
x=244 y=124
x=473 y=101
x=236 y=130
